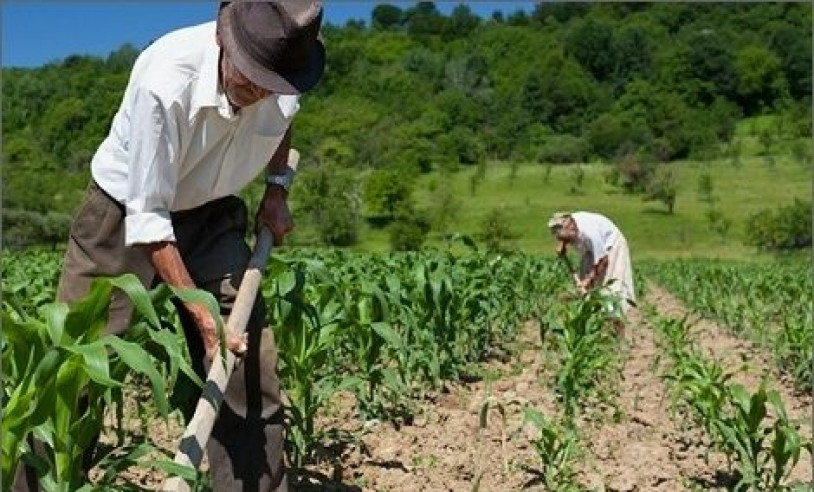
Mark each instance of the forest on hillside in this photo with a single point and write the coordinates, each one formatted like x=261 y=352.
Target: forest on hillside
x=412 y=90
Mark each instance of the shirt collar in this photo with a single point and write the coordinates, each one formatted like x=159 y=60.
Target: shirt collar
x=208 y=92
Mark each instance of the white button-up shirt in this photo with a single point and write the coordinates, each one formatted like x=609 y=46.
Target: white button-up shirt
x=175 y=142
x=597 y=234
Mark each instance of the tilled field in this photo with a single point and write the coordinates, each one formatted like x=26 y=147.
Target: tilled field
x=636 y=444
x=639 y=446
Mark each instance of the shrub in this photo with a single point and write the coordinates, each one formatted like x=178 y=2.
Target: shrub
x=786 y=228
x=25 y=228
x=496 y=230
x=562 y=149
x=631 y=173
x=409 y=229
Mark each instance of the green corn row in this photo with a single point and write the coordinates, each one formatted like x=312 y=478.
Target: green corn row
x=752 y=429
x=60 y=369
x=769 y=303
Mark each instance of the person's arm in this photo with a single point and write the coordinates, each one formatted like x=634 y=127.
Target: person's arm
x=273 y=211
x=167 y=262
x=594 y=274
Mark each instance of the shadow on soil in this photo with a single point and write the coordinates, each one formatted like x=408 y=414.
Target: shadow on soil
x=723 y=479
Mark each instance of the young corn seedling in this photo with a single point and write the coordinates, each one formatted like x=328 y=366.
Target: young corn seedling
x=744 y=432
x=557 y=447
x=489 y=403
x=587 y=346
x=305 y=335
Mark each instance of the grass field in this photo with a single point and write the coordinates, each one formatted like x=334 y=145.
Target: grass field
x=741 y=188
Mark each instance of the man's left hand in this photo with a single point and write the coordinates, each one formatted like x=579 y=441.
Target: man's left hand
x=275 y=214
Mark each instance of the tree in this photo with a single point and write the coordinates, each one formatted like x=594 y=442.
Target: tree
x=496 y=231
x=329 y=196
x=589 y=41
x=760 y=78
x=409 y=229
x=461 y=22
x=424 y=19
x=663 y=188
x=386 y=191
x=385 y=16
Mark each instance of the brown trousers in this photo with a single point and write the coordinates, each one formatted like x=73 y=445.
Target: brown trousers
x=245 y=449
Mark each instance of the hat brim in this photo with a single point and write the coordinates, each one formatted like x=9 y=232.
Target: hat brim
x=558 y=220
x=286 y=83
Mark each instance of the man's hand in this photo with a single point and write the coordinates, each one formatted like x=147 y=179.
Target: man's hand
x=561 y=249
x=166 y=260
x=208 y=329
x=274 y=213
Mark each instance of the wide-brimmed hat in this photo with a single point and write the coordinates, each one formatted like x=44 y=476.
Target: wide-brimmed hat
x=558 y=221
x=274 y=44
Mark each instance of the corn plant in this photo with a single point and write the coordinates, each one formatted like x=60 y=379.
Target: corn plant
x=557 y=448
x=587 y=348
x=304 y=333
x=744 y=433
x=736 y=421
x=489 y=403
x=369 y=337
x=60 y=369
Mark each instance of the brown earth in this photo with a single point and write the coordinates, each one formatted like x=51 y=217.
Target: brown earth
x=638 y=446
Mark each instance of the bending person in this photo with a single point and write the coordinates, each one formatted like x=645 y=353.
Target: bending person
x=603 y=247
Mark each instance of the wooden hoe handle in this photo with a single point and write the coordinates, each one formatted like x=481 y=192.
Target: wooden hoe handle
x=193 y=441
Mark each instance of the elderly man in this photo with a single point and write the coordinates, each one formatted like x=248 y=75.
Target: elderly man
x=605 y=255
x=207 y=108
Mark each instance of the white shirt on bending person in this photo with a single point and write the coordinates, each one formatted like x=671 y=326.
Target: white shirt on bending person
x=175 y=142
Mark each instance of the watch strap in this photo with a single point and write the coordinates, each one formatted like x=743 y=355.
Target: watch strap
x=284 y=180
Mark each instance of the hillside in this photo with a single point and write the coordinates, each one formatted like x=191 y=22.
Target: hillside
x=415 y=101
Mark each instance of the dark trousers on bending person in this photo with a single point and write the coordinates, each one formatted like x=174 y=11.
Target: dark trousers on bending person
x=245 y=449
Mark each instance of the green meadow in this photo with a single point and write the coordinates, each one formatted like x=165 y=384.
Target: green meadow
x=741 y=186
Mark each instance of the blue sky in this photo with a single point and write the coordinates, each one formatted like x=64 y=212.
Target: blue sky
x=37 y=32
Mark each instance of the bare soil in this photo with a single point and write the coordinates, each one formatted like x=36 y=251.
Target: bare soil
x=637 y=446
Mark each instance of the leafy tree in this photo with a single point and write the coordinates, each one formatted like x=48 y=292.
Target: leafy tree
x=613 y=133
x=793 y=44
x=445 y=206
x=589 y=41
x=760 y=80
x=663 y=188
x=424 y=19
x=386 y=16
x=386 y=191
x=461 y=22
x=329 y=196
x=707 y=53
x=632 y=174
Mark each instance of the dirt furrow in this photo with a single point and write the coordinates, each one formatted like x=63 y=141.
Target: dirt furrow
x=750 y=364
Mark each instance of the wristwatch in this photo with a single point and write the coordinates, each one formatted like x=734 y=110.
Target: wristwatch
x=284 y=180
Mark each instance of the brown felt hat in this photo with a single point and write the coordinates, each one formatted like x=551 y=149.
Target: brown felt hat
x=274 y=44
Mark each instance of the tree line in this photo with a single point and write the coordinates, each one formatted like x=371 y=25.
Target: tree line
x=412 y=90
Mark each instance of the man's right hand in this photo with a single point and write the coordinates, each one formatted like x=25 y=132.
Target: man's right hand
x=208 y=329
x=561 y=248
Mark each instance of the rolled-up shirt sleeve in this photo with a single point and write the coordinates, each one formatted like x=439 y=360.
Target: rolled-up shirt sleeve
x=153 y=170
